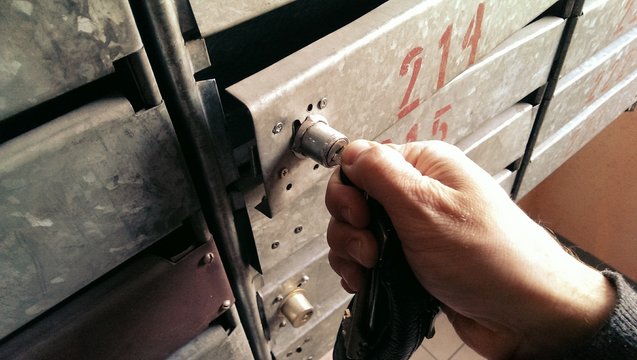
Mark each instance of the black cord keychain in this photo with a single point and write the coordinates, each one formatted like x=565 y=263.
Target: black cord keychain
x=392 y=314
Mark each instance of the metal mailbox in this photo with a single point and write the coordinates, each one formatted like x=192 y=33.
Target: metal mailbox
x=146 y=309
x=588 y=82
x=601 y=22
x=500 y=141
x=307 y=271
x=312 y=343
x=370 y=74
x=50 y=48
x=555 y=150
x=79 y=196
x=501 y=80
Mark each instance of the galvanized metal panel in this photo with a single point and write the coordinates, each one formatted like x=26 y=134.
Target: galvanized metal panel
x=49 y=48
x=216 y=343
x=213 y=16
x=601 y=22
x=146 y=309
x=515 y=69
x=588 y=82
x=500 y=141
x=309 y=270
x=82 y=194
x=293 y=228
x=554 y=151
x=370 y=73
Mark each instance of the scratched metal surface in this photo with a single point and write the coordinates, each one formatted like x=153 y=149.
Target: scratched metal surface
x=358 y=69
x=49 y=48
x=501 y=140
x=216 y=15
x=501 y=79
x=81 y=195
x=554 y=151
x=588 y=82
x=602 y=21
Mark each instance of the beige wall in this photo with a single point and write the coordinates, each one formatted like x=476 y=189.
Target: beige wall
x=592 y=198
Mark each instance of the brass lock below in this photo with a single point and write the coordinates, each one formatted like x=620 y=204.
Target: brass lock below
x=296 y=308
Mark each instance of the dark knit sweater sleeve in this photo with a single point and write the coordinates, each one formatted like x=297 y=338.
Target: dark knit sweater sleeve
x=617 y=339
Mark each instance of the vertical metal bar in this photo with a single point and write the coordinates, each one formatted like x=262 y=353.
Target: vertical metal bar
x=159 y=26
x=567 y=35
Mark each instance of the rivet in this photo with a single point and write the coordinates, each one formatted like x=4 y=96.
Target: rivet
x=275 y=245
x=298 y=229
x=278 y=299
x=226 y=304
x=322 y=103
x=209 y=258
x=277 y=128
x=284 y=172
x=304 y=279
x=283 y=323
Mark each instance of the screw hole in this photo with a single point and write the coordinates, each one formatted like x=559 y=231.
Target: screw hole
x=288 y=187
x=275 y=245
x=298 y=229
x=316 y=166
x=299 y=349
x=309 y=107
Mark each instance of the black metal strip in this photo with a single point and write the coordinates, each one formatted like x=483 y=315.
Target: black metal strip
x=554 y=75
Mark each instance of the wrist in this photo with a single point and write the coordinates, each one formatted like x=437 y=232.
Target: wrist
x=581 y=303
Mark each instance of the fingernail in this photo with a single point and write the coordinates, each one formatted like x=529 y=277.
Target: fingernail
x=355 y=249
x=353 y=150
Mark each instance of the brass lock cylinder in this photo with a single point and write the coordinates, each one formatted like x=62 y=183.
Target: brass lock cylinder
x=296 y=308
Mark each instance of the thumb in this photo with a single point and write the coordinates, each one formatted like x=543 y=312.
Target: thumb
x=385 y=174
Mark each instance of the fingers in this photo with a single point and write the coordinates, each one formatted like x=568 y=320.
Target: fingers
x=352 y=244
x=352 y=250
x=350 y=272
x=346 y=203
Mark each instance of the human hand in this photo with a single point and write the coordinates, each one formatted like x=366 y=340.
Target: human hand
x=508 y=288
